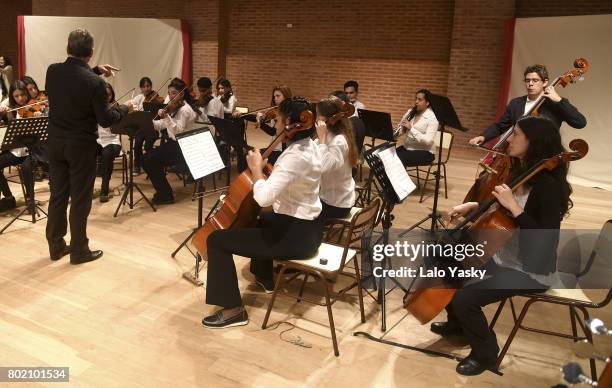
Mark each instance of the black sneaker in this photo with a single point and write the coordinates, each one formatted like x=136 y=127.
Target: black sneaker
x=267 y=285
x=7 y=203
x=218 y=321
x=446 y=328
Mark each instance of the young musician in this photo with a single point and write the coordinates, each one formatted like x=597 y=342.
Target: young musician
x=206 y=103
x=338 y=156
x=109 y=147
x=18 y=97
x=291 y=230
x=147 y=94
x=555 y=108
x=225 y=94
x=6 y=71
x=418 y=126
x=351 y=88
x=179 y=116
x=279 y=94
x=527 y=262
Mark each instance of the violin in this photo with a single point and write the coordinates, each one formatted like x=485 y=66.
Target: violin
x=270 y=114
x=154 y=97
x=226 y=96
x=35 y=107
x=492 y=223
x=173 y=105
x=238 y=209
x=203 y=101
x=496 y=166
x=347 y=111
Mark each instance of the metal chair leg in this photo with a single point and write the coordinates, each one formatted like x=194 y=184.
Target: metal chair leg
x=517 y=325
x=425 y=184
x=359 y=290
x=445 y=184
x=573 y=321
x=279 y=283
x=497 y=313
x=330 y=315
x=589 y=337
x=299 y=299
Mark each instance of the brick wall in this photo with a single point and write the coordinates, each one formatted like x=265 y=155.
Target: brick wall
x=392 y=47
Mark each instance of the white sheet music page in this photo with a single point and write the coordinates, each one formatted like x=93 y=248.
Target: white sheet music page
x=2 y=134
x=399 y=178
x=201 y=154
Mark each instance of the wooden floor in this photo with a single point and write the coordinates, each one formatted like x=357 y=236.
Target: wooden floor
x=131 y=320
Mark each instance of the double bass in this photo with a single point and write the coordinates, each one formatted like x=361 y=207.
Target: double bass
x=238 y=209
x=425 y=303
x=496 y=165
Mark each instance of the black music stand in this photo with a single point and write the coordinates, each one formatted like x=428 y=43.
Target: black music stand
x=194 y=277
x=152 y=107
x=133 y=124
x=232 y=135
x=390 y=199
x=446 y=116
x=26 y=132
x=377 y=124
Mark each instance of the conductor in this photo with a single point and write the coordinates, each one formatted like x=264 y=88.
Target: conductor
x=77 y=104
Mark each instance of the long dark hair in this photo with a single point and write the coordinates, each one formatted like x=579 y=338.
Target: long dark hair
x=545 y=142
x=179 y=85
x=17 y=85
x=285 y=91
x=291 y=108
x=328 y=107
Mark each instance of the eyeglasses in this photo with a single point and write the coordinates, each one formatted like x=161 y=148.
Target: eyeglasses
x=532 y=80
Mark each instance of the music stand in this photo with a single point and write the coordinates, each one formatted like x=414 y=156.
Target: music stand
x=232 y=135
x=377 y=124
x=152 y=107
x=199 y=150
x=26 y=132
x=133 y=124
x=446 y=116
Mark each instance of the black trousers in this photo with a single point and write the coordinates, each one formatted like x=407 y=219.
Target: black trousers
x=330 y=211
x=411 y=158
x=107 y=157
x=277 y=237
x=72 y=173
x=7 y=159
x=466 y=307
x=154 y=163
x=139 y=142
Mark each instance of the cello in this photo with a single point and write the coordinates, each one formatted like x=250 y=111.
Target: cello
x=490 y=220
x=496 y=165
x=238 y=209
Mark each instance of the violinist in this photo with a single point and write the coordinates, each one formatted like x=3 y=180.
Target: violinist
x=338 y=157
x=555 y=108
x=292 y=230
x=147 y=94
x=35 y=96
x=351 y=88
x=526 y=263
x=206 y=103
x=417 y=129
x=18 y=97
x=279 y=94
x=177 y=117
x=109 y=147
x=225 y=94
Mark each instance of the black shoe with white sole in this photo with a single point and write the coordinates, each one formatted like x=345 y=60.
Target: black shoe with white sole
x=219 y=321
x=267 y=285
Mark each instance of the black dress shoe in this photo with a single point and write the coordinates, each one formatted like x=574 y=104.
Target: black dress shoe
x=91 y=256
x=470 y=366
x=7 y=203
x=446 y=328
x=65 y=251
x=103 y=197
x=267 y=285
x=219 y=321
x=158 y=200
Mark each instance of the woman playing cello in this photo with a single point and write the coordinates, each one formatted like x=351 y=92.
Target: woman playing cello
x=537 y=209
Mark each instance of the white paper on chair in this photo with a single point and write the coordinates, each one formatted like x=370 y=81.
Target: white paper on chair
x=399 y=178
x=2 y=134
x=201 y=154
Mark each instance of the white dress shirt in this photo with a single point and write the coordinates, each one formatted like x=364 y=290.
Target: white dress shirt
x=337 y=184
x=183 y=120
x=293 y=187
x=138 y=101
x=213 y=108
x=106 y=137
x=230 y=105
x=421 y=135
x=358 y=105
x=21 y=151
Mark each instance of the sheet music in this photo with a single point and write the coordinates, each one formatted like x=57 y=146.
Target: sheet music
x=2 y=134
x=201 y=154
x=399 y=178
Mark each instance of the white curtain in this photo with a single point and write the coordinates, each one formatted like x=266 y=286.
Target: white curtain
x=556 y=42
x=139 y=47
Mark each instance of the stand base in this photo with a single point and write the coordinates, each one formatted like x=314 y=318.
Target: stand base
x=193 y=277
x=33 y=219
x=129 y=190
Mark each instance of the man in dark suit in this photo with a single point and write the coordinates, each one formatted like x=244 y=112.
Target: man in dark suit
x=554 y=108
x=77 y=104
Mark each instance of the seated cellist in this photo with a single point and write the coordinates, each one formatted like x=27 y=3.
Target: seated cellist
x=537 y=208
